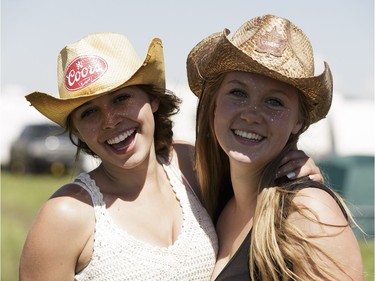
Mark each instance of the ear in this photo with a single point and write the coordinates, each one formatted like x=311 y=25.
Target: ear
x=155 y=102
x=297 y=127
x=76 y=133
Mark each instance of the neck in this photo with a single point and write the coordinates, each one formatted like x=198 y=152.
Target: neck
x=245 y=186
x=128 y=182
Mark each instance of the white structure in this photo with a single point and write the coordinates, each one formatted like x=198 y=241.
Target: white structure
x=349 y=128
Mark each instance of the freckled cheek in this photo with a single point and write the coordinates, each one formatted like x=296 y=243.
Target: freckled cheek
x=142 y=112
x=278 y=118
x=125 y=109
x=219 y=121
x=221 y=113
x=226 y=109
x=87 y=133
x=134 y=109
x=130 y=104
x=283 y=121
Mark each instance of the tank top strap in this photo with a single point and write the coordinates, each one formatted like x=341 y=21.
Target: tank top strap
x=314 y=184
x=87 y=183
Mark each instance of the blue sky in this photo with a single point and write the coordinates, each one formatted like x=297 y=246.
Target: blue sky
x=34 y=31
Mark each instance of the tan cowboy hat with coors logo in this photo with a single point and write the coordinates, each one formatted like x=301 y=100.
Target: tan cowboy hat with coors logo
x=95 y=65
x=267 y=45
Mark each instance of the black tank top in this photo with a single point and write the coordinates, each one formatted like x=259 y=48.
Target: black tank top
x=238 y=267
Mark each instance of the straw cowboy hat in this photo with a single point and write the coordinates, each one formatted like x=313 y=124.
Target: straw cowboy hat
x=95 y=65
x=267 y=45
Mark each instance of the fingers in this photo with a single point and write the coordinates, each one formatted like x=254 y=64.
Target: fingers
x=294 y=155
x=295 y=168
x=297 y=164
x=317 y=177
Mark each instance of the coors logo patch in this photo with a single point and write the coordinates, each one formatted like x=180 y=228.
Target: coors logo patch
x=84 y=71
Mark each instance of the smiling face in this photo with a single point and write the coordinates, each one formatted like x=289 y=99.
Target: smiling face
x=119 y=126
x=254 y=117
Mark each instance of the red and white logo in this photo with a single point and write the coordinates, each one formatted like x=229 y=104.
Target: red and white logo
x=84 y=71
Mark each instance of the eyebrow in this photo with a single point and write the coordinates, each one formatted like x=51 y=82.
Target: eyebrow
x=243 y=84
x=235 y=81
x=90 y=101
x=84 y=104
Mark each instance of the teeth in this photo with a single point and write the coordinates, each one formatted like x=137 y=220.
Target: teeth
x=250 y=136
x=121 y=137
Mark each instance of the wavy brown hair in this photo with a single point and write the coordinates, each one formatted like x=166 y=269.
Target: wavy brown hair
x=278 y=249
x=163 y=134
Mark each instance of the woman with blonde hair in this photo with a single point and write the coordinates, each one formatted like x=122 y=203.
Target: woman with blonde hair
x=257 y=94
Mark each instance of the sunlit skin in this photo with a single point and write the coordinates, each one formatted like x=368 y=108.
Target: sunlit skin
x=126 y=113
x=119 y=127
x=254 y=117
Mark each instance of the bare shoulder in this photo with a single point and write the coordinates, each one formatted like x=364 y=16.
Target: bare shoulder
x=321 y=205
x=68 y=209
x=71 y=193
x=71 y=203
x=58 y=235
x=323 y=221
x=184 y=148
x=185 y=157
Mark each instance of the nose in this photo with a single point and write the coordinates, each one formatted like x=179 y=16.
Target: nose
x=252 y=114
x=110 y=118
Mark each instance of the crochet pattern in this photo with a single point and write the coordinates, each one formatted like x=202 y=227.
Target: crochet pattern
x=118 y=255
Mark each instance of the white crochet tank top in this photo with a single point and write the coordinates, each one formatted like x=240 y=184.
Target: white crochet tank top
x=120 y=256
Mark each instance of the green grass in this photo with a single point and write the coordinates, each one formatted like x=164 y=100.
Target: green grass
x=367 y=249
x=21 y=199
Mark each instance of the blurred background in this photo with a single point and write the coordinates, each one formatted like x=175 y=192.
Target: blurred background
x=36 y=157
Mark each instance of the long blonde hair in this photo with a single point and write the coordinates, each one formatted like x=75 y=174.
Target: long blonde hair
x=278 y=250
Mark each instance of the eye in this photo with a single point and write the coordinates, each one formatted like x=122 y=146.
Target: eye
x=275 y=102
x=121 y=97
x=238 y=93
x=87 y=113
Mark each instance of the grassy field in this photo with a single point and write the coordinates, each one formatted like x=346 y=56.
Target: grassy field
x=21 y=198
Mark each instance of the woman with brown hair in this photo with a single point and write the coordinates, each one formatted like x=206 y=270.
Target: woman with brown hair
x=135 y=216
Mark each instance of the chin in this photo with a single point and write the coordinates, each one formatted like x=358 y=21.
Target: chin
x=240 y=157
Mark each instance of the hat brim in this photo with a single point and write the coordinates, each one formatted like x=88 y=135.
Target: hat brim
x=150 y=72
x=216 y=55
